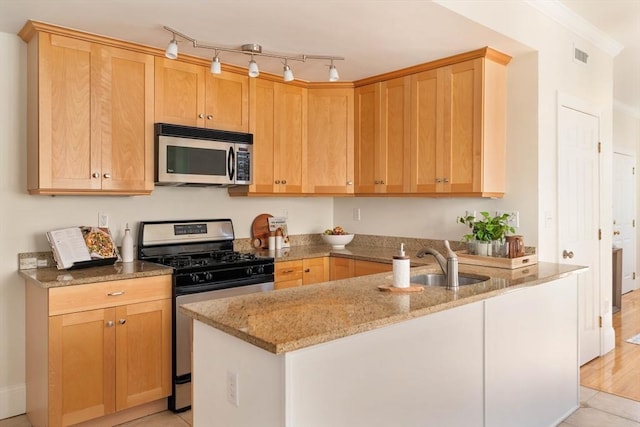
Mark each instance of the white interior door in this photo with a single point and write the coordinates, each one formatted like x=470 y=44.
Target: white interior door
x=579 y=217
x=624 y=207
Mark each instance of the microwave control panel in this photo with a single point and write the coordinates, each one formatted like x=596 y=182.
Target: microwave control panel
x=243 y=166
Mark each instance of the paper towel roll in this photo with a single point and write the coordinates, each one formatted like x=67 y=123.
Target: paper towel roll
x=401 y=267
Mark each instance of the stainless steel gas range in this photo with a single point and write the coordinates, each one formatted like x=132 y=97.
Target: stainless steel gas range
x=205 y=267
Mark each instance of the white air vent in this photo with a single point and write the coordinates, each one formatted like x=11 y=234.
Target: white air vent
x=580 y=55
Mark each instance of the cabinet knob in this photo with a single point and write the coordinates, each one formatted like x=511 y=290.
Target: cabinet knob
x=567 y=254
x=209 y=117
x=438 y=180
x=284 y=181
x=110 y=324
x=277 y=181
x=382 y=182
x=616 y=233
x=95 y=175
x=307 y=270
x=349 y=182
x=201 y=116
x=376 y=182
x=107 y=175
x=122 y=321
x=445 y=180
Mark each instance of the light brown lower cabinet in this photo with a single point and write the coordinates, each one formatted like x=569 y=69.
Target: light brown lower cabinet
x=97 y=350
x=300 y=272
x=345 y=268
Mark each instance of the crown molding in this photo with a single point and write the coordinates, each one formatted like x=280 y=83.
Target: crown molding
x=626 y=108
x=566 y=17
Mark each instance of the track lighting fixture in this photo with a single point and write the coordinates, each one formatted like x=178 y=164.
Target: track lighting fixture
x=333 y=73
x=253 y=50
x=172 y=49
x=287 y=74
x=215 y=65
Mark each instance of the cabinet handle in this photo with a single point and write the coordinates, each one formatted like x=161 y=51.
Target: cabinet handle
x=287 y=271
x=616 y=233
x=110 y=324
x=95 y=175
x=122 y=321
x=307 y=270
x=201 y=116
x=115 y=294
x=567 y=254
x=209 y=117
x=107 y=175
x=277 y=181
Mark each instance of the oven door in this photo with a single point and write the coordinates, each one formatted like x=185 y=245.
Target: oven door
x=184 y=161
x=184 y=334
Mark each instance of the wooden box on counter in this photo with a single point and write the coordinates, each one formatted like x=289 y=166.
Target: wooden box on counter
x=497 y=262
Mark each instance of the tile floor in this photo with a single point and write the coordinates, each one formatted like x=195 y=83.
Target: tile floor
x=597 y=409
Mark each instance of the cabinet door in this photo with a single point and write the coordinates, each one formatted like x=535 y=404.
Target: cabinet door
x=64 y=149
x=330 y=141
x=81 y=366
x=315 y=270
x=426 y=131
x=341 y=268
x=288 y=274
x=367 y=137
x=393 y=159
x=227 y=101
x=143 y=353
x=179 y=92
x=126 y=125
x=262 y=124
x=290 y=137
x=363 y=268
x=462 y=160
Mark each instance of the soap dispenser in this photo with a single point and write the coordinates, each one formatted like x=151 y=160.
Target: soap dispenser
x=127 y=245
x=401 y=267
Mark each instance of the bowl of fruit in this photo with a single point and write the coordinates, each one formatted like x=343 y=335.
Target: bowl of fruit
x=337 y=237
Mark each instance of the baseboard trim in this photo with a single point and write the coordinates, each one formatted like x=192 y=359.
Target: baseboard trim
x=12 y=400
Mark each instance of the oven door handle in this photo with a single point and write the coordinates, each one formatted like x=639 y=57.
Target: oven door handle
x=231 y=164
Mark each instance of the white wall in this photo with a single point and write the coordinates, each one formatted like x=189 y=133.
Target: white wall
x=24 y=219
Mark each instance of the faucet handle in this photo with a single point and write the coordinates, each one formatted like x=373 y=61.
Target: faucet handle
x=450 y=254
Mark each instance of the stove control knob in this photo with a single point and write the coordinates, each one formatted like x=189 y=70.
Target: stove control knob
x=194 y=277
x=249 y=271
x=260 y=269
x=208 y=276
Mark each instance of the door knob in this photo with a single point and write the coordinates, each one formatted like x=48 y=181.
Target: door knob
x=567 y=254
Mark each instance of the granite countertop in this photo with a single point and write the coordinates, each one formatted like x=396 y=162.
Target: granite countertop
x=51 y=277
x=294 y=318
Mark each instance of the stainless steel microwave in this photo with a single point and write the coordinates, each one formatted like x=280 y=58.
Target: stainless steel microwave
x=190 y=156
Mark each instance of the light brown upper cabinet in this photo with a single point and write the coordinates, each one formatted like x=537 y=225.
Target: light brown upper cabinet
x=329 y=167
x=383 y=137
x=458 y=129
x=278 y=124
x=188 y=94
x=90 y=116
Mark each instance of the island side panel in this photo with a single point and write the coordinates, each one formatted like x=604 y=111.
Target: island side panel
x=532 y=367
x=424 y=371
x=260 y=381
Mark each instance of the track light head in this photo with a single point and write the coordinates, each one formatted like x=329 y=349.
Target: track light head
x=172 y=49
x=254 y=71
x=287 y=74
x=216 y=67
x=333 y=73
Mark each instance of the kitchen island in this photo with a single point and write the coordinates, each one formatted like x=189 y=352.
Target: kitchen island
x=502 y=352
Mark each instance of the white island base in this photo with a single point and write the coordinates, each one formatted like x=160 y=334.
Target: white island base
x=510 y=360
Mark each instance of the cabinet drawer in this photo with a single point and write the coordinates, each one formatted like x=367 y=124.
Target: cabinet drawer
x=93 y=296
x=288 y=270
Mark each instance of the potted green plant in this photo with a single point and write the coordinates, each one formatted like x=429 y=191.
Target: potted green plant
x=487 y=233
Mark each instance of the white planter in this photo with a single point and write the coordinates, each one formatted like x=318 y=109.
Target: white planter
x=483 y=248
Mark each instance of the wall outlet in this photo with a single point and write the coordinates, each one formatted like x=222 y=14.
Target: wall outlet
x=103 y=219
x=28 y=263
x=356 y=214
x=233 y=395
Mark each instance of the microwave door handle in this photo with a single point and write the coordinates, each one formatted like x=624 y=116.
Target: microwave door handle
x=231 y=161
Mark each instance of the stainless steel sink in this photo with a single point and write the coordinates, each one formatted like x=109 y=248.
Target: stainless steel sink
x=437 y=279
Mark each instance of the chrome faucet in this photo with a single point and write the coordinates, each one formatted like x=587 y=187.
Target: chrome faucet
x=449 y=266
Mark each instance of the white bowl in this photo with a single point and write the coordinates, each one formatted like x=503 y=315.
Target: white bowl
x=337 y=241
